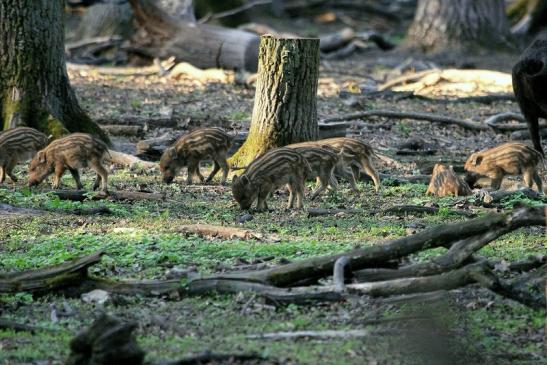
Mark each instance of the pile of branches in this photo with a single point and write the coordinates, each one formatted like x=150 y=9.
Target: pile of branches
x=373 y=271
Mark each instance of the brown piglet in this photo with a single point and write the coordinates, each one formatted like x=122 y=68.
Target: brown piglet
x=278 y=167
x=512 y=158
x=194 y=147
x=444 y=182
x=362 y=154
x=73 y=152
x=16 y=145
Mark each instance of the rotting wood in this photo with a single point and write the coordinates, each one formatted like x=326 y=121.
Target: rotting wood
x=130 y=161
x=434 y=118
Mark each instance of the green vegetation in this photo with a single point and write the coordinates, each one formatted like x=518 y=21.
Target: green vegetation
x=142 y=241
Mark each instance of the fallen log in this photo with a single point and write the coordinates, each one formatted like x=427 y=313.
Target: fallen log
x=204 y=46
x=441 y=119
x=130 y=161
x=320 y=212
x=442 y=235
x=82 y=195
x=49 y=278
x=496 y=197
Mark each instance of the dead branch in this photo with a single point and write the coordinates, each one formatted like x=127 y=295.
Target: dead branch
x=528 y=290
x=406 y=209
x=320 y=212
x=316 y=335
x=18 y=327
x=213 y=357
x=338 y=275
x=337 y=40
x=212 y=231
x=460 y=252
x=49 y=278
x=137 y=120
x=234 y=11
x=496 y=197
x=417 y=116
x=304 y=295
x=527 y=264
x=495 y=121
x=405 y=79
x=524 y=134
x=442 y=235
x=81 y=195
x=410 y=285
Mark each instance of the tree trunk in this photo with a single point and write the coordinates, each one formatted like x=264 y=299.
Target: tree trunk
x=441 y=25
x=285 y=109
x=34 y=86
x=205 y=46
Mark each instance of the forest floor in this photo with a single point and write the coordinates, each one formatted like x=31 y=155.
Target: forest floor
x=143 y=239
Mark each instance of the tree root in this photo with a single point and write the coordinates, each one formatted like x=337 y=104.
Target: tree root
x=80 y=195
x=444 y=120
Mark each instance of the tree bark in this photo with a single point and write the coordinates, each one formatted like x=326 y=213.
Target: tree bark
x=34 y=87
x=441 y=25
x=205 y=46
x=285 y=107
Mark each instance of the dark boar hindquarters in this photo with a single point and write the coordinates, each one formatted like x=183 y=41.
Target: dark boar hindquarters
x=529 y=85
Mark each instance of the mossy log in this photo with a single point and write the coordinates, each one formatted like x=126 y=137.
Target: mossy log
x=285 y=107
x=34 y=87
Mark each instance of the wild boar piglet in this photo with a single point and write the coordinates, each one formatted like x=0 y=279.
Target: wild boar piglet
x=350 y=168
x=323 y=161
x=278 y=167
x=73 y=152
x=17 y=145
x=194 y=147
x=513 y=158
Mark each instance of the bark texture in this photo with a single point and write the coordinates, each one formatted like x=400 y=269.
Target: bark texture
x=441 y=25
x=161 y=35
x=34 y=86
x=285 y=107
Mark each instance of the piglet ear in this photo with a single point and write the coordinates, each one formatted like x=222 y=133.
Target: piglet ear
x=478 y=160
x=245 y=180
x=235 y=179
x=173 y=153
x=41 y=156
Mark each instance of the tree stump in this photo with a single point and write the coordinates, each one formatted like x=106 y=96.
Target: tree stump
x=108 y=341
x=34 y=83
x=285 y=108
x=441 y=25
x=444 y=182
